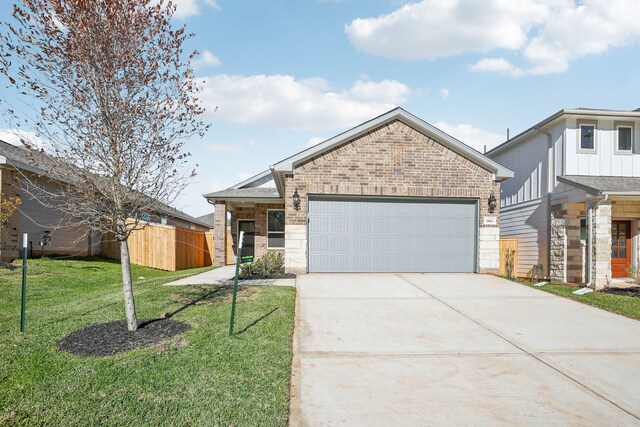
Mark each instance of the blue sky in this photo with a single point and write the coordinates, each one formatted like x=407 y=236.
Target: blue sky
x=285 y=74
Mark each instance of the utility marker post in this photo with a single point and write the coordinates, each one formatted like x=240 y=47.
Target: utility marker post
x=25 y=239
x=235 y=283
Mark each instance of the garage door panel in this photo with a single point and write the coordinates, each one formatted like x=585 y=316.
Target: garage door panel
x=378 y=235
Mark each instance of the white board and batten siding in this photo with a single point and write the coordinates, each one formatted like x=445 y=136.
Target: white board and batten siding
x=605 y=160
x=528 y=223
x=524 y=203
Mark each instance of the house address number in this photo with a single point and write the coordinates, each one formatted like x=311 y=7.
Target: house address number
x=490 y=220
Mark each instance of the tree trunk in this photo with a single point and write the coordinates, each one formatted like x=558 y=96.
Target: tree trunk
x=127 y=287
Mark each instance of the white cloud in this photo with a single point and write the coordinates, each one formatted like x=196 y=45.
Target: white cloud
x=497 y=65
x=314 y=141
x=13 y=137
x=188 y=8
x=437 y=28
x=444 y=93
x=472 y=136
x=284 y=101
x=547 y=34
x=206 y=59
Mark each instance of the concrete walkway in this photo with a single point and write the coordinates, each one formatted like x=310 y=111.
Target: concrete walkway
x=224 y=276
x=457 y=349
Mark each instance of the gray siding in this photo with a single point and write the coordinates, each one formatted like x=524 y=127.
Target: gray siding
x=65 y=239
x=529 y=223
x=384 y=235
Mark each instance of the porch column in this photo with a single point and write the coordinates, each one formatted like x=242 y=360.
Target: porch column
x=558 y=253
x=220 y=234
x=575 y=263
x=601 y=235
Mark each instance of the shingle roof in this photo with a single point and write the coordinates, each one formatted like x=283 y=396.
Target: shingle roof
x=208 y=219
x=40 y=162
x=245 y=193
x=603 y=184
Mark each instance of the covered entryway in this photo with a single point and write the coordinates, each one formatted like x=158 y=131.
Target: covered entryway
x=368 y=234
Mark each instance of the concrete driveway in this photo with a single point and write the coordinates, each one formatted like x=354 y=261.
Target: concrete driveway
x=457 y=349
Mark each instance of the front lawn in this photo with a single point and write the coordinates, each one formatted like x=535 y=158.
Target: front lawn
x=624 y=305
x=202 y=377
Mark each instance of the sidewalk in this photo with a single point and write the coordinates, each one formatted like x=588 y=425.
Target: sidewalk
x=224 y=276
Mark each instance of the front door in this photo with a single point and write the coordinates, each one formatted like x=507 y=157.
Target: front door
x=248 y=243
x=620 y=248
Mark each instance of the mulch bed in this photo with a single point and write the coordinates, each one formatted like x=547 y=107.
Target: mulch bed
x=628 y=292
x=108 y=339
x=273 y=276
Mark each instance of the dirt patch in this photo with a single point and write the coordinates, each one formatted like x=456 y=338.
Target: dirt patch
x=628 y=292
x=108 y=339
x=204 y=295
x=9 y=266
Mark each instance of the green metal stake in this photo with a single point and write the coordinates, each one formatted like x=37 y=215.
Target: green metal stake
x=24 y=282
x=235 y=284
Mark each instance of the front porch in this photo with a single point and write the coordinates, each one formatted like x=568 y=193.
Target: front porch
x=595 y=240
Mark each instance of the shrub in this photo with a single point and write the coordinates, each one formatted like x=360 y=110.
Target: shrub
x=271 y=264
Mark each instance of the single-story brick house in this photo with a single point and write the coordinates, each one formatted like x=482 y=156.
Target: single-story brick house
x=31 y=217
x=394 y=194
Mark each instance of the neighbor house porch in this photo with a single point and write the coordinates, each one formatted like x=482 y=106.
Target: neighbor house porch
x=595 y=230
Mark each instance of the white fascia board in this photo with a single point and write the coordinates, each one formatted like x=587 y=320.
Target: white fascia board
x=501 y=172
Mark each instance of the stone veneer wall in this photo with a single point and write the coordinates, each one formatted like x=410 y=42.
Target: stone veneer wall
x=10 y=232
x=392 y=160
x=601 y=259
x=567 y=258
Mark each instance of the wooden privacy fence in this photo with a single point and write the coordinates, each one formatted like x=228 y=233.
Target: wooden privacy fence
x=165 y=247
x=508 y=253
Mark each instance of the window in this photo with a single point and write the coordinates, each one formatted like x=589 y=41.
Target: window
x=625 y=138
x=587 y=137
x=275 y=229
x=583 y=229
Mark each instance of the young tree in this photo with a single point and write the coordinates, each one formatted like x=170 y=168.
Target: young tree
x=8 y=205
x=115 y=98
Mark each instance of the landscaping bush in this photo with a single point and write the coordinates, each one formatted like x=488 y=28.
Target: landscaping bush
x=271 y=264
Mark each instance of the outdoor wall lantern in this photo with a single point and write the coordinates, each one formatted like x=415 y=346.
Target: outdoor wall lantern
x=493 y=203
x=296 y=200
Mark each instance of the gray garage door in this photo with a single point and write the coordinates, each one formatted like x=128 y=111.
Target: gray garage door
x=387 y=235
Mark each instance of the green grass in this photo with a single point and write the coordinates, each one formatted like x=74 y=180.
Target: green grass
x=624 y=305
x=201 y=378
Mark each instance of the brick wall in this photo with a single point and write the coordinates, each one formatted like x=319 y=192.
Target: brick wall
x=257 y=213
x=393 y=160
x=10 y=242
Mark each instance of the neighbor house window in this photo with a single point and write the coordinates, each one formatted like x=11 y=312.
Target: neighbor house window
x=275 y=229
x=587 y=137
x=625 y=138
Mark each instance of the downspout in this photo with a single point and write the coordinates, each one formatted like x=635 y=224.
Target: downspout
x=590 y=238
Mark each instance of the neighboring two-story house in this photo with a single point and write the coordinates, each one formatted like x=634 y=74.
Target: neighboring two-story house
x=574 y=202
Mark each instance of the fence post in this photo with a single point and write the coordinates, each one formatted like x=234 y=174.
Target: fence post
x=235 y=284
x=25 y=239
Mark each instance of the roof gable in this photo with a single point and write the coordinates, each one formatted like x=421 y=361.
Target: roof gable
x=288 y=164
